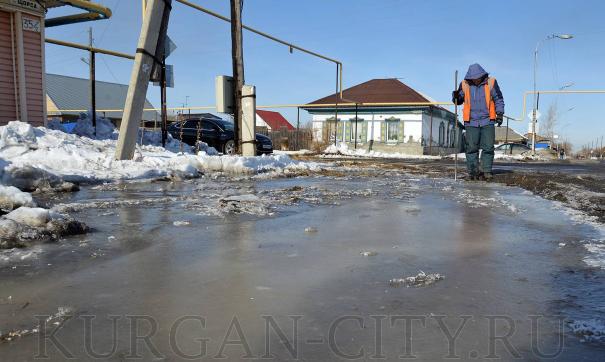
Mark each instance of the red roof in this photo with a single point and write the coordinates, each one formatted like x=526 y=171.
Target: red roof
x=275 y=120
x=376 y=91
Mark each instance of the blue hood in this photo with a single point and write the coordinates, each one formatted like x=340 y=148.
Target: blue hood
x=475 y=71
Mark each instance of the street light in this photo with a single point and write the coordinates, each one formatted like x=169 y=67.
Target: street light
x=534 y=120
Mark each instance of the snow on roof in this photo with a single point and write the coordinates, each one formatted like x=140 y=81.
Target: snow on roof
x=275 y=120
x=71 y=94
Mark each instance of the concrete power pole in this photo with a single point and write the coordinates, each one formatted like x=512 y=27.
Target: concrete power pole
x=149 y=54
x=237 y=53
x=93 y=96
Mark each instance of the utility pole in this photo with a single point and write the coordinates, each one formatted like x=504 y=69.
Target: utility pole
x=237 y=53
x=93 y=96
x=164 y=111
x=150 y=53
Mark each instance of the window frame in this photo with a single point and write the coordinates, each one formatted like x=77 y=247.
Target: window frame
x=389 y=123
x=352 y=123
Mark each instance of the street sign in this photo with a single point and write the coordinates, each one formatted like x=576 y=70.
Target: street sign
x=169 y=77
x=169 y=47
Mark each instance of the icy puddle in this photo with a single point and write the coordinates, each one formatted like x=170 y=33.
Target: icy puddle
x=302 y=268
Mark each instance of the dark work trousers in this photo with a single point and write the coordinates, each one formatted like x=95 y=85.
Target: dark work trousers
x=480 y=138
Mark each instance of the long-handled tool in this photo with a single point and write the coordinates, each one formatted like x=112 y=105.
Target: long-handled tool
x=456 y=128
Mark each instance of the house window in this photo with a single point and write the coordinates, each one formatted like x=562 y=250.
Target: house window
x=453 y=138
x=355 y=127
x=392 y=131
x=441 y=134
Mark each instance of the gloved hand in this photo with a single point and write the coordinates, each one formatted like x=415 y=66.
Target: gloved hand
x=456 y=97
x=499 y=119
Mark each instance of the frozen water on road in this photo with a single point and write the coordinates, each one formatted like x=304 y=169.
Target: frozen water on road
x=245 y=254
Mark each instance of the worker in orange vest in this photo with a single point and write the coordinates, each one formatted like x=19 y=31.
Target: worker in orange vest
x=483 y=107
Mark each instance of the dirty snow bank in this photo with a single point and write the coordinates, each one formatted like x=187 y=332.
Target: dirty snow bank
x=28 y=155
x=26 y=224
x=343 y=149
x=12 y=198
x=504 y=157
x=254 y=165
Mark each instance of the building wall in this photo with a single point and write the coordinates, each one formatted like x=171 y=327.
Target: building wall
x=32 y=51
x=22 y=90
x=261 y=123
x=415 y=131
x=371 y=126
x=8 y=84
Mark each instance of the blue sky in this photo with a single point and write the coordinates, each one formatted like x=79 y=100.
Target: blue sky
x=422 y=42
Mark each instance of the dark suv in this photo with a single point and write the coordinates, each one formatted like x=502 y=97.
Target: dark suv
x=216 y=133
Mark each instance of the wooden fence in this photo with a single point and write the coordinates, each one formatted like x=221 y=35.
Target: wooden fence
x=286 y=140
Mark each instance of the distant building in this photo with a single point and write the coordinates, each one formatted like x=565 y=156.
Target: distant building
x=542 y=142
x=67 y=97
x=411 y=129
x=272 y=121
x=187 y=115
x=506 y=134
x=22 y=67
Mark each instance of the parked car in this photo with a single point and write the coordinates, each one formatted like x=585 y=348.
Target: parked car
x=511 y=149
x=217 y=133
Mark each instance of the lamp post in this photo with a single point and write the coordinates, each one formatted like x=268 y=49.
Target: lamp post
x=534 y=120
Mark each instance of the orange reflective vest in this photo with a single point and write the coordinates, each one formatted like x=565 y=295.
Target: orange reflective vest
x=491 y=106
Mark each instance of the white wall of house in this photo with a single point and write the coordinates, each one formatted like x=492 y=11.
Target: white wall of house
x=412 y=123
x=261 y=123
x=437 y=122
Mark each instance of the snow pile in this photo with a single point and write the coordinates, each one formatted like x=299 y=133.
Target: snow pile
x=12 y=198
x=203 y=147
x=420 y=280
x=104 y=130
x=17 y=134
x=254 y=165
x=56 y=125
x=343 y=149
x=31 y=154
x=26 y=224
x=31 y=158
x=527 y=156
x=154 y=138
x=29 y=216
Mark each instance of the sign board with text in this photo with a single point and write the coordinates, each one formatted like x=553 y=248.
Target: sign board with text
x=32 y=6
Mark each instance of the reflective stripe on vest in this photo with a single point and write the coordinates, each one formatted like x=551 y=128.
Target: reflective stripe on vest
x=489 y=100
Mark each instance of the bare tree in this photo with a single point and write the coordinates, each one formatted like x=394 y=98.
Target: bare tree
x=550 y=122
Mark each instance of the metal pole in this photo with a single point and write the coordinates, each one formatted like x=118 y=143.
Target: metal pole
x=93 y=100
x=431 y=132
x=506 y=137
x=238 y=69
x=534 y=119
x=297 y=128
x=163 y=103
x=356 y=121
x=336 y=108
x=456 y=128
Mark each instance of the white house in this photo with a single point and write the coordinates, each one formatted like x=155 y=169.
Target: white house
x=387 y=114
